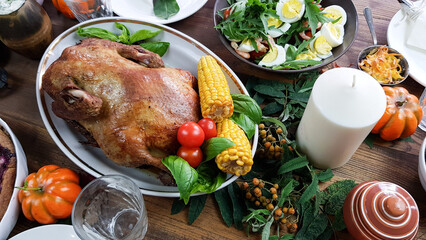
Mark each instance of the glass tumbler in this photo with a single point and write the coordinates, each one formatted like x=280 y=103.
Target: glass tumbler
x=422 y=101
x=85 y=10
x=25 y=27
x=110 y=207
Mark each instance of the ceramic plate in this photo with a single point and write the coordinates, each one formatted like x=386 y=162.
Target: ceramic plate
x=398 y=30
x=11 y=215
x=184 y=53
x=48 y=232
x=143 y=10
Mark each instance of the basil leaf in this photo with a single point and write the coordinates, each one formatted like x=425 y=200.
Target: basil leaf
x=269 y=91
x=159 y=48
x=210 y=178
x=125 y=34
x=267 y=229
x=310 y=191
x=293 y=164
x=96 y=32
x=272 y=108
x=285 y=193
x=244 y=123
x=246 y=105
x=237 y=204
x=196 y=207
x=3 y=78
x=177 y=207
x=142 y=35
x=214 y=146
x=184 y=175
x=165 y=8
x=225 y=205
x=325 y=176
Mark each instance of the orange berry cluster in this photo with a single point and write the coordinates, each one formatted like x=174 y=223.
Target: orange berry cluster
x=271 y=143
x=283 y=215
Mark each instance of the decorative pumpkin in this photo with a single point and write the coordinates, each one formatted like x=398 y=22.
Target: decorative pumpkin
x=63 y=8
x=49 y=194
x=402 y=116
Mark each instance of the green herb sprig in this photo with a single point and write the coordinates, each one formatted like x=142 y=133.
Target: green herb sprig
x=127 y=38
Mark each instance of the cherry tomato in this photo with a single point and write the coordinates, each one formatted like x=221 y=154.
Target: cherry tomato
x=209 y=127
x=190 y=134
x=226 y=13
x=257 y=55
x=193 y=156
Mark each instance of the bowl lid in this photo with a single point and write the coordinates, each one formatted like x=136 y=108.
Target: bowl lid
x=381 y=210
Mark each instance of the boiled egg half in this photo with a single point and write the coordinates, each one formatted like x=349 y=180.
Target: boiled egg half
x=320 y=46
x=246 y=46
x=333 y=33
x=290 y=11
x=278 y=27
x=334 y=12
x=275 y=56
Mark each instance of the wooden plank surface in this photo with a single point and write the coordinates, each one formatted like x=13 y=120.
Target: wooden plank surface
x=387 y=161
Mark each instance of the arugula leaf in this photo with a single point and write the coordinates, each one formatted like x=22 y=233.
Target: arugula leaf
x=159 y=48
x=245 y=123
x=297 y=64
x=142 y=35
x=246 y=105
x=96 y=32
x=184 y=175
x=225 y=205
x=212 y=147
x=293 y=165
x=165 y=8
x=178 y=206
x=125 y=34
x=196 y=207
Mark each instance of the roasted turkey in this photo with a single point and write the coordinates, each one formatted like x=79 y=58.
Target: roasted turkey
x=124 y=97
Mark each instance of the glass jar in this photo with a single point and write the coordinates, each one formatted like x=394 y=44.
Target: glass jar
x=25 y=27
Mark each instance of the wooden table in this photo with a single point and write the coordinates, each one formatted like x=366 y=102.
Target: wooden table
x=388 y=161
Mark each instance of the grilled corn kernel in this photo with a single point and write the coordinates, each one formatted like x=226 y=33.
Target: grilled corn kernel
x=215 y=97
x=237 y=159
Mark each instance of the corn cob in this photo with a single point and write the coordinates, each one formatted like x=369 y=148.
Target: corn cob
x=215 y=97
x=237 y=159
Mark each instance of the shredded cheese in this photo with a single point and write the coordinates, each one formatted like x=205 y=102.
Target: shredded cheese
x=383 y=66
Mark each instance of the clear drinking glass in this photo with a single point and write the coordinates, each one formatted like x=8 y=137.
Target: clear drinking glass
x=85 y=10
x=110 y=207
x=422 y=101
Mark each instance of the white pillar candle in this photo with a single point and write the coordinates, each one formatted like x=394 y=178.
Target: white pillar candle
x=344 y=106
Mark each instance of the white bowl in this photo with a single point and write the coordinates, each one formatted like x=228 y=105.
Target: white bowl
x=422 y=165
x=12 y=212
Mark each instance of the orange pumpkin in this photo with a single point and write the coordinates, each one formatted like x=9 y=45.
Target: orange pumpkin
x=403 y=114
x=49 y=194
x=63 y=8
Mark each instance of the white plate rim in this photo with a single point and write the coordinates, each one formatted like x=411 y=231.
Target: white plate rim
x=41 y=231
x=182 y=14
x=54 y=134
x=393 y=38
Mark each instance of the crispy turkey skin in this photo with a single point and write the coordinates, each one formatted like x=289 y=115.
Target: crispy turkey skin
x=124 y=97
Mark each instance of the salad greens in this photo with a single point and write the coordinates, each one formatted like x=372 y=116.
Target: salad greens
x=250 y=19
x=207 y=177
x=165 y=8
x=126 y=38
